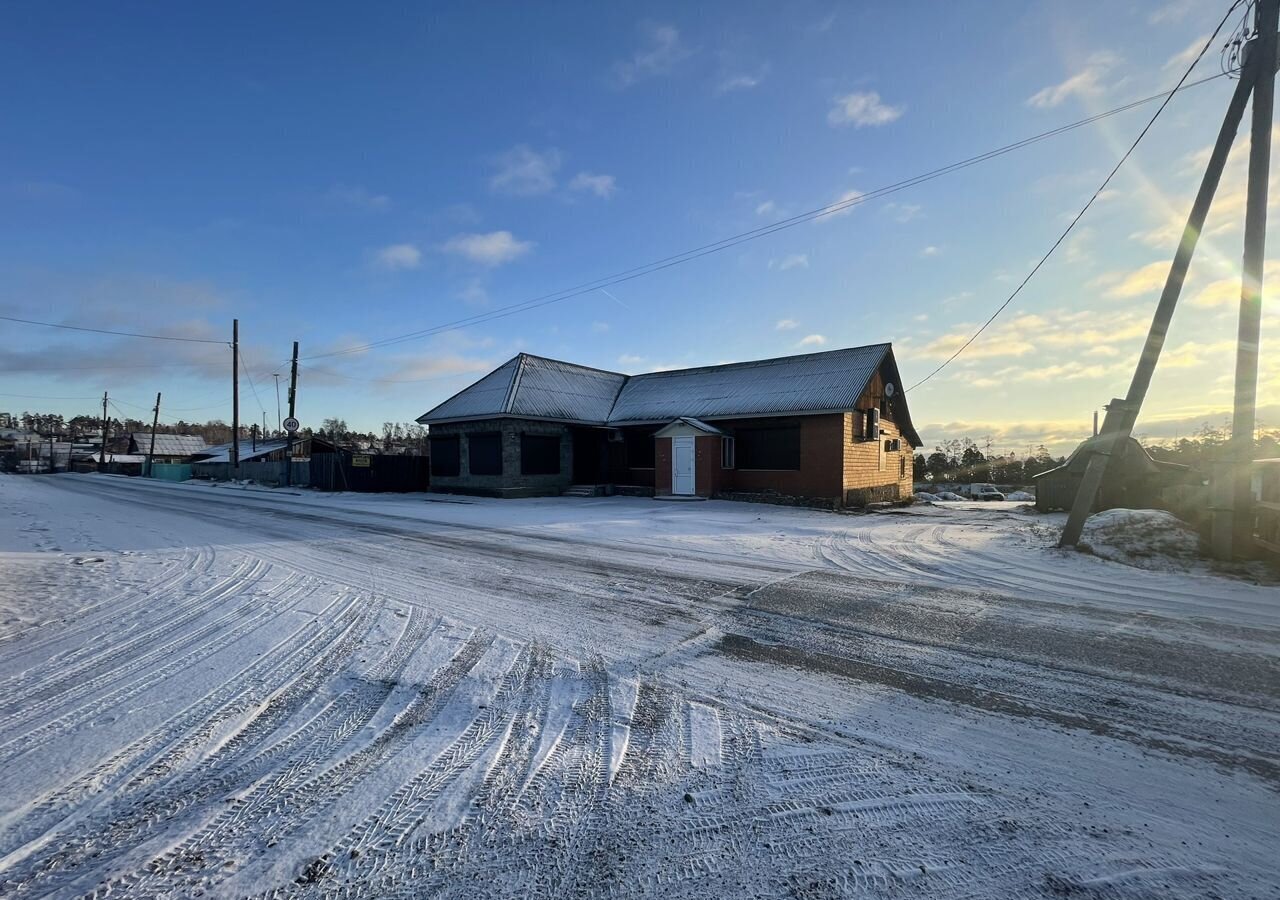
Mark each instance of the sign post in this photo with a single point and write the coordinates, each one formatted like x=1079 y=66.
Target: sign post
x=291 y=425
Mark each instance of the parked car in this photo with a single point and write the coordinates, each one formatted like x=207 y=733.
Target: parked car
x=987 y=492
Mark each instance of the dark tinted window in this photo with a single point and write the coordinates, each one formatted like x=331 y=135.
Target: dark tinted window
x=484 y=453
x=445 y=457
x=774 y=447
x=539 y=454
x=639 y=449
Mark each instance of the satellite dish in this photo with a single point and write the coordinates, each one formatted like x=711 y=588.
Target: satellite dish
x=889 y=389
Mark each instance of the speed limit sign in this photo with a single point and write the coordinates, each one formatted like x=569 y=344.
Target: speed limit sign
x=291 y=424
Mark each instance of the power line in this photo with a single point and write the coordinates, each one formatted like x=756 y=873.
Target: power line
x=132 y=334
x=1080 y=215
x=753 y=234
x=333 y=374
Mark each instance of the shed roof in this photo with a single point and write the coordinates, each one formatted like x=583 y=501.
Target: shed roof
x=221 y=453
x=534 y=387
x=168 y=444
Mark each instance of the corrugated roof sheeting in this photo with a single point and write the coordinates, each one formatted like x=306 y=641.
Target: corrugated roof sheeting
x=169 y=444
x=487 y=397
x=548 y=389
x=790 y=384
x=222 y=452
x=534 y=387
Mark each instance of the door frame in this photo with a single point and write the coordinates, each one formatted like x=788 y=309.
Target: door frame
x=693 y=462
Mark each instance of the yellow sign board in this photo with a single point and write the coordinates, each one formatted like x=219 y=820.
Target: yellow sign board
x=362 y=461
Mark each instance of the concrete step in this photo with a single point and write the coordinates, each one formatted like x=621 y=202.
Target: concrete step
x=583 y=490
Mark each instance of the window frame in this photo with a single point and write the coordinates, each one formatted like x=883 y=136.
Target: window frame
x=526 y=438
x=728 y=452
x=471 y=457
x=456 y=441
x=753 y=465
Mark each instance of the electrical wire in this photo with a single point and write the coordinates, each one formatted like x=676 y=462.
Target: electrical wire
x=333 y=374
x=1080 y=215
x=132 y=334
x=753 y=234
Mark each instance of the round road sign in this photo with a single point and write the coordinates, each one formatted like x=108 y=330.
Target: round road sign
x=291 y=424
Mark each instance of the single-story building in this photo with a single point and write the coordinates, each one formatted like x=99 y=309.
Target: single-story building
x=169 y=448
x=1134 y=479
x=829 y=427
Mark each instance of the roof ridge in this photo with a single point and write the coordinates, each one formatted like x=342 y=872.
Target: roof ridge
x=759 y=362
x=572 y=365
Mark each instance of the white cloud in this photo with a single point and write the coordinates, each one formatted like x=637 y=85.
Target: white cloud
x=398 y=256
x=1186 y=57
x=1085 y=83
x=599 y=327
x=741 y=81
x=786 y=324
x=1143 y=280
x=474 y=294
x=792 y=261
x=492 y=249
x=930 y=251
x=903 y=212
x=767 y=208
x=602 y=186
x=524 y=172
x=357 y=198
x=850 y=199
x=1174 y=11
x=661 y=52
x=630 y=359
x=862 y=108
x=812 y=340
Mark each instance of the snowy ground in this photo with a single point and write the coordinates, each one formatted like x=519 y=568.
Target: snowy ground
x=249 y=693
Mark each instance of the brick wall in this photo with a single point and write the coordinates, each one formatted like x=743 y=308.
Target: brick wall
x=821 y=461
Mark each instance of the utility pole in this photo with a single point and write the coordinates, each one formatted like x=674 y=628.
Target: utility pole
x=1232 y=533
x=253 y=436
x=293 y=398
x=155 y=422
x=102 y=450
x=235 y=397
x=1117 y=425
x=276 y=376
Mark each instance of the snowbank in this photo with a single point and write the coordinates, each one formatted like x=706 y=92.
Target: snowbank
x=946 y=495
x=1146 y=538
x=1021 y=496
x=924 y=497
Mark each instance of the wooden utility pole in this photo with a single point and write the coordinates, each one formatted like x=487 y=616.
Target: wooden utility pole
x=102 y=450
x=1121 y=415
x=1232 y=533
x=155 y=422
x=235 y=397
x=293 y=381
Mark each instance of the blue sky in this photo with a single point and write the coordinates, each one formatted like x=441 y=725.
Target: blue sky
x=338 y=174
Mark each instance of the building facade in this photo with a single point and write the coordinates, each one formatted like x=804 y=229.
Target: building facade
x=827 y=428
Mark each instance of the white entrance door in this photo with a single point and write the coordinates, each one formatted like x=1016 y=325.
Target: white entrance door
x=682 y=465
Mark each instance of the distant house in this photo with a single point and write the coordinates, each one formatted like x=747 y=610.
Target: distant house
x=829 y=427
x=269 y=450
x=1134 y=480
x=169 y=448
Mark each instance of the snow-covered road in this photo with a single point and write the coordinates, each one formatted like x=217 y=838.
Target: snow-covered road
x=250 y=693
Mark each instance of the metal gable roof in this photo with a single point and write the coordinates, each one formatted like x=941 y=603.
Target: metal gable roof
x=549 y=389
x=538 y=388
x=169 y=444
x=812 y=382
x=487 y=397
